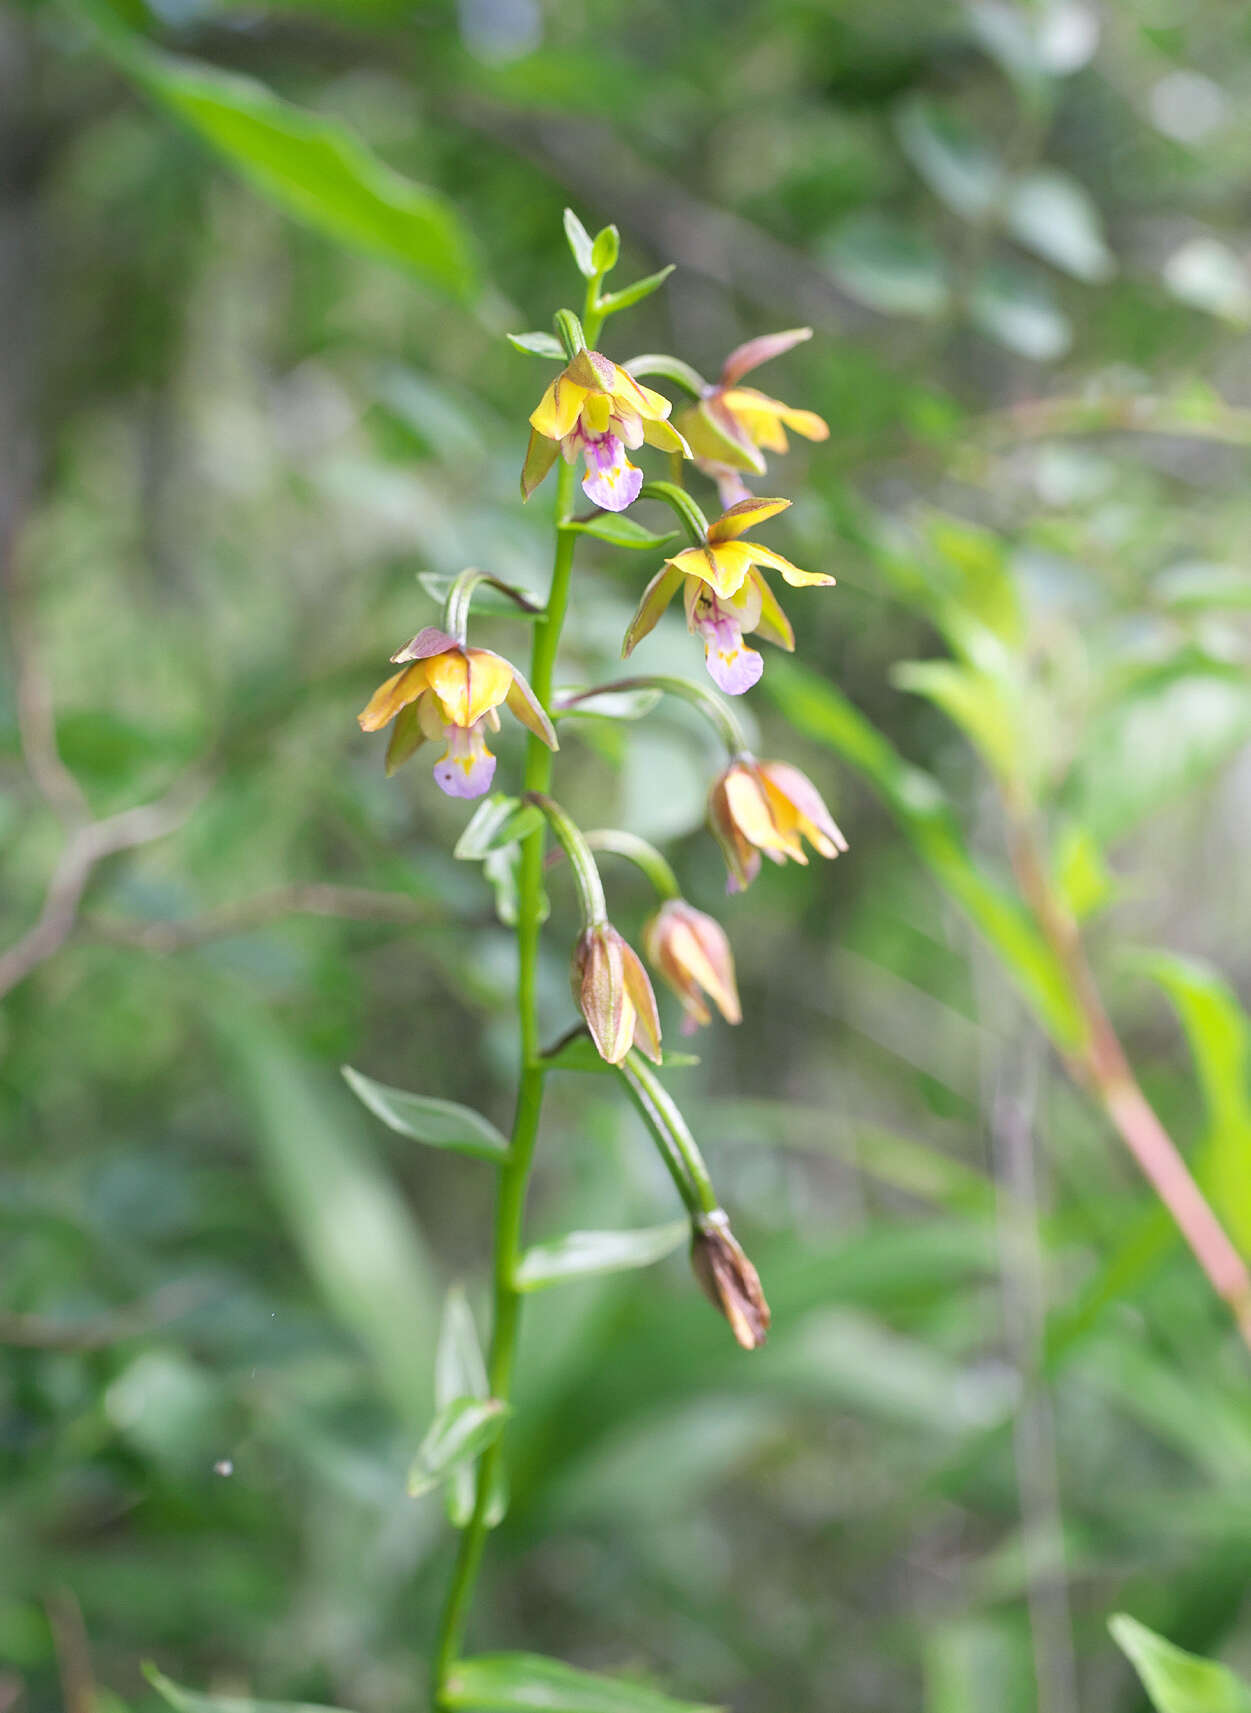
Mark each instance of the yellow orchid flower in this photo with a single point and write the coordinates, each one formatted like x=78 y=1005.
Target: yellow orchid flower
x=446 y=690
x=726 y=595
x=691 y=951
x=732 y=426
x=596 y=408
x=768 y=807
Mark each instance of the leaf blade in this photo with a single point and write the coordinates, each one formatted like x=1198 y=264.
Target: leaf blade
x=457 y=1435
x=583 y=1254
x=423 y=1118
x=521 y=1683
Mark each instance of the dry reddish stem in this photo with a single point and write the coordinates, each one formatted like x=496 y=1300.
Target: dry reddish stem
x=1102 y=1067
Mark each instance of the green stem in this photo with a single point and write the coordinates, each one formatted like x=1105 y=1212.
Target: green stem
x=643 y=855
x=718 y=713
x=678 y=1148
x=515 y=1172
x=575 y=847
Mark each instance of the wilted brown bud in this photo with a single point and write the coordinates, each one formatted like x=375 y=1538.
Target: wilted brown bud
x=692 y=953
x=611 y=989
x=729 y=1280
x=769 y=807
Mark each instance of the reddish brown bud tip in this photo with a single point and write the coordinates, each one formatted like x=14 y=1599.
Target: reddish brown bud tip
x=729 y=1280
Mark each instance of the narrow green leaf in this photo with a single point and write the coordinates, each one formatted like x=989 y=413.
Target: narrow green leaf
x=821 y=712
x=580 y=1253
x=439 y=1123
x=580 y=244
x=1219 y=1033
x=1199 y=586
x=498 y=821
x=537 y=344
x=621 y=531
x=629 y=295
x=955 y=161
x=975 y=703
x=522 y=1683
x=191 y=1701
x=313 y=167
x=457 y=1435
x=343 y=1211
x=1176 y=1681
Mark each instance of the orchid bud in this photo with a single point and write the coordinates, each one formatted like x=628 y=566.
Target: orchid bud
x=691 y=951
x=611 y=989
x=728 y=1279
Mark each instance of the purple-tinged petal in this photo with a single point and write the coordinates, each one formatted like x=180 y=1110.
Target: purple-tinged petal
x=426 y=643
x=750 y=356
x=468 y=767
x=611 y=481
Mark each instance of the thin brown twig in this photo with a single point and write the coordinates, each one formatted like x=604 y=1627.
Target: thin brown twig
x=1101 y=1065
x=356 y=903
x=42 y=1332
x=73 y=1651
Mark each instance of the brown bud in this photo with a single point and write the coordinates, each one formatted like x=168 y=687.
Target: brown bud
x=729 y=1280
x=611 y=989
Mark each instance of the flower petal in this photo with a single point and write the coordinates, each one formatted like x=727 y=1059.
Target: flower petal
x=467 y=682
x=425 y=643
x=593 y=371
x=772 y=624
x=643 y=1001
x=559 y=408
x=632 y=395
x=793 y=796
x=665 y=436
x=716 y=438
x=407 y=737
x=762 y=350
x=762 y=418
x=526 y=706
x=387 y=700
x=611 y=481
x=791 y=573
x=540 y=456
x=763 y=820
x=730 y=525
x=468 y=767
x=656 y=597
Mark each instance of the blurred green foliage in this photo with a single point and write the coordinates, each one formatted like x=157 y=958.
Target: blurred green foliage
x=999 y=1401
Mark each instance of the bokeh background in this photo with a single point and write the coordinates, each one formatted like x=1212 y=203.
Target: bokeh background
x=999 y=1402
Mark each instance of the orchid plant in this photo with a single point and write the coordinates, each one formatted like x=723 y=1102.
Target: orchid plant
x=449 y=691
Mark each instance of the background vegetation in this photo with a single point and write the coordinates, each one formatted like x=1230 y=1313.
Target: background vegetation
x=1000 y=1401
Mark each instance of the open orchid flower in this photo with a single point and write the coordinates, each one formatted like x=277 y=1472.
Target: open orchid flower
x=726 y=595
x=768 y=807
x=732 y=426
x=447 y=691
x=597 y=409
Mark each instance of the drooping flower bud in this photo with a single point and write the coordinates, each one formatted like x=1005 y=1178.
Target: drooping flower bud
x=728 y=1279
x=611 y=989
x=769 y=807
x=691 y=951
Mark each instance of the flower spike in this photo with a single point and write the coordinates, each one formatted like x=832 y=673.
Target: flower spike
x=595 y=408
x=769 y=807
x=446 y=690
x=732 y=427
x=726 y=596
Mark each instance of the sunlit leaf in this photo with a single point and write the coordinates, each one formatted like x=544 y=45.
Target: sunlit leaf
x=1019 y=309
x=580 y=244
x=580 y=1253
x=1198 y=586
x=459 y=1433
x=890 y=266
x=439 y=1123
x=629 y=295
x=950 y=155
x=522 y=1683
x=1207 y=274
x=1052 y=215
x=976 y=704
x=538 y=344
x=312 y=166
x=1176 y=1681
